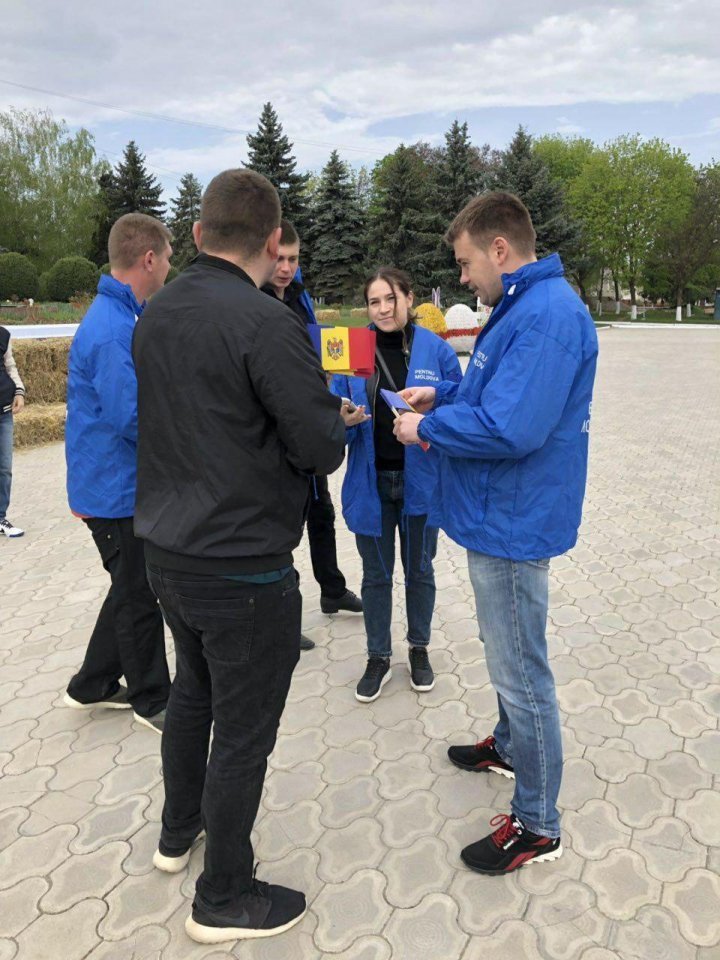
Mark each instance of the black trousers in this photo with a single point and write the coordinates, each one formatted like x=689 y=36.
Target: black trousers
x=321 y=534
x=236 y=646
x=128 y=638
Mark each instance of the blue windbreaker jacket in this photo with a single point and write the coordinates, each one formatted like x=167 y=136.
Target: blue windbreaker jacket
x=431 y=361
x=101 y=429
x=514 y=434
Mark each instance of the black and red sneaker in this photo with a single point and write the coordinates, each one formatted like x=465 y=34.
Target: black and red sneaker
x=511 y=846
x=481 y=756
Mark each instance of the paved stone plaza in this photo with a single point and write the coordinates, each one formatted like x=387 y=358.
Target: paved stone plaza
x=361 y=808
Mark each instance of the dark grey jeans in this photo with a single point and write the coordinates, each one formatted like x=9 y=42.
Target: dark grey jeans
x=236 y=646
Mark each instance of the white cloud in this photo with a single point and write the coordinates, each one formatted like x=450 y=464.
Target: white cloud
x=335 y=71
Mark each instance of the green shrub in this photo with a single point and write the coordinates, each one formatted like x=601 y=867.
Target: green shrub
x=105 y=268
x=18 y=277
x=70 y=276
x=43 y=295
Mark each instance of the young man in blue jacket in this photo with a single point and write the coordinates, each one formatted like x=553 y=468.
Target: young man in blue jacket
x=101 y=452
x=514 y=439
x=286 y=285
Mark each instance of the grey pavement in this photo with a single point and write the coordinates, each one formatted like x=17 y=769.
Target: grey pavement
x=361 y=808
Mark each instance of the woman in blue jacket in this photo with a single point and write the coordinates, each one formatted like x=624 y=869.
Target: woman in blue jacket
x=388 y=486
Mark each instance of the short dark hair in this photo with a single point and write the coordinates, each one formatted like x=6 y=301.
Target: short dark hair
x=239 y=211
x=289 y=234
x=396 y=280
x=495 y=214
x=132 y=235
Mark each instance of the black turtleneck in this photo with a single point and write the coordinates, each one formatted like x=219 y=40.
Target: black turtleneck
x=389 y=452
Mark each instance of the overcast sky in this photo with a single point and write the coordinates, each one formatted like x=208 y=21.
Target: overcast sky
x=365 y=76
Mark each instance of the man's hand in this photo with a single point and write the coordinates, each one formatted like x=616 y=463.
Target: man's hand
x=406 y=425
x=421 y=399
x=18 y=403
x=357 y=416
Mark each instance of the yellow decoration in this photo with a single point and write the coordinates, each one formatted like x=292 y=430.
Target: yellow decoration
x=431 y=317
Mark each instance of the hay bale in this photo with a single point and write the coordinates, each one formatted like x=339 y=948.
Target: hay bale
x=358 y=313
x=328 y=316
x=40 y=423
x=43 y=367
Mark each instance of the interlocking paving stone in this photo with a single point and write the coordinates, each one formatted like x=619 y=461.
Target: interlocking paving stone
x=350 y=910
x=622 y=884
x=484 y=903
x=146 y=943
x=19 y=904
x=84 y=876
x=668 y=849
x=408 y=873
x=514 y=938
x=702 y=814
x=652 y=935
x=350 y=848
x=362 y=798
x=639 y=800
x=567 y=920
x=70 y=935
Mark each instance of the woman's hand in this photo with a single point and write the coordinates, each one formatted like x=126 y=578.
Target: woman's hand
x=352 y=419
x=421 y=399
x=18 y=403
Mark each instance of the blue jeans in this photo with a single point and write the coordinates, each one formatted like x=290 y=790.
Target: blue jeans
x=512 y=602
x=6 y=452
x=418 y=544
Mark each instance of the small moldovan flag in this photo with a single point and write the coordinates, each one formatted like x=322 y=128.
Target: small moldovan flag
x=345 y=350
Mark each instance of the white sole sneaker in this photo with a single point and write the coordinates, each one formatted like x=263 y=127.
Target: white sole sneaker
x=546 y=857
x=503 y=773
x=147 y=722
x=362 y=699
x=419 y=688
x=104 y=704
x=171 y=864
x=202 y=934
x=175 y=864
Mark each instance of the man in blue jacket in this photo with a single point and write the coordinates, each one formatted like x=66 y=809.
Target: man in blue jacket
x=101 y=453
x=286 y=285
x=514 y=439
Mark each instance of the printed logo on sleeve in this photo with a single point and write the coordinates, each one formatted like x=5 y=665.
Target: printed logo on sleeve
x=480 y=359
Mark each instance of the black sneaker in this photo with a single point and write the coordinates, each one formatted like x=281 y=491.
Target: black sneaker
x=422 y=677
x=265 y=910
x=118 y=701
x=306 y=643
x=511 y=846
x=156 y=722
x=377 y=673
x=348 y=601
x=481 y=756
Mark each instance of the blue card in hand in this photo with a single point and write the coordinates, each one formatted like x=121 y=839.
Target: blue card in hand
x=395 y=401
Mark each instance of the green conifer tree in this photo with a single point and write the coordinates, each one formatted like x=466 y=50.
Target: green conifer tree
x=185 y=210
x=523 y=172
x=135 y=190
x=270 y=153
x=104 y=216
x=404 y=222
x=337 y=234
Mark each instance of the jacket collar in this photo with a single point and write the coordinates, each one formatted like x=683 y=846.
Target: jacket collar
x=220 y=263
x=530 y=273
x=110 y=287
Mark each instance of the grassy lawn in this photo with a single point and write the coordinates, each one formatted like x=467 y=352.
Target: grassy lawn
x=41 y=313
x=655 y=316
